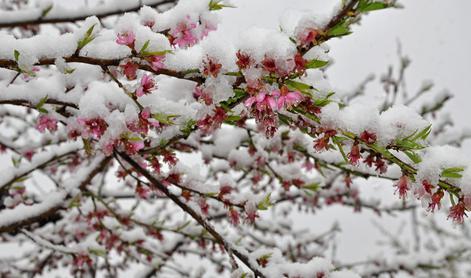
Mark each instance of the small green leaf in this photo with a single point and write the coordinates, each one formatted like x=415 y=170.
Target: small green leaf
x=97 y=252
x=314 y=187
x=232 y=119
x=265 y=203
x=22 y=179
x=164 y=118
x=75 y=202
x=87 y=145
x=188 y=127
x=413 y=156
x=367 y=6
x=314 y=64
x=16 y=161
x=321 y=102
x=234 y=73
x=69 y=70
x=46 y=10
x=145 y=46
x=155 y=53
x=299 y=86
x=339 y=30
x=41 y=102
x=16 y=53
x=453 y=172
x=87 y=39
x=215 y=5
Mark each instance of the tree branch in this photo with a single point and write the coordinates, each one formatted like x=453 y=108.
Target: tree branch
x=52 y=20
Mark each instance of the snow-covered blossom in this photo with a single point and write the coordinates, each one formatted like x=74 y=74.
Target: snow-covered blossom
x=146 y=86
x=403 y=186
x=46 y=122
x=183 y=34
x=286 y=98
x=130 y=69
x=127 y=38
x=458 y=212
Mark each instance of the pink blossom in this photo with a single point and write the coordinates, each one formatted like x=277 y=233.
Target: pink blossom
x=143 y=192
x=94 y=127
x=203 y=94
x=156 y=62
x=402 y=186
x=234 y=216
x=127 y=38
x=243 y=60
x=29 y=154
x=286 y=98
x=354 y=155
x=147 y=84
x=146 y=114
x=211 y=67
x=307 y=36
x=368 y=137
x=109 y=147
x=46 y=122
x=262 y=101
x=436 y=200
x=182 y=34
x=457 y=212
x=132 y=147
x=130 y=69
x=212 y=122
x=208 y=27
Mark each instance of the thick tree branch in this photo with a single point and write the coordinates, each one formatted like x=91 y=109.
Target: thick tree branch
x=20 y=22
x=35 y=218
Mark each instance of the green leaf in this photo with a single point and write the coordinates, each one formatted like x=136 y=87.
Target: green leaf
x=16 y=161
x=232 y=119
x=314 y=187
x=215 y=5
x=367 y=6
x=155 y=53
x=87 y=145
x=87 y=39
x=239 y=94
x=453 y=172
x=75 y=202
x=46 y=10
x=16 y=53
x=97 y=252
x=339 y=145
x=164 y=118
x=321 y=102
x=145 y=46
x=299 y=86
x=265 y=203
x=234 y=73
x=314 y=64
x=413 y=156
x=22 y=179
x=40 y=105
x=188 y=127
x=134 y=139
x=69 y=70
x=423 y=134
x=339 y=30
